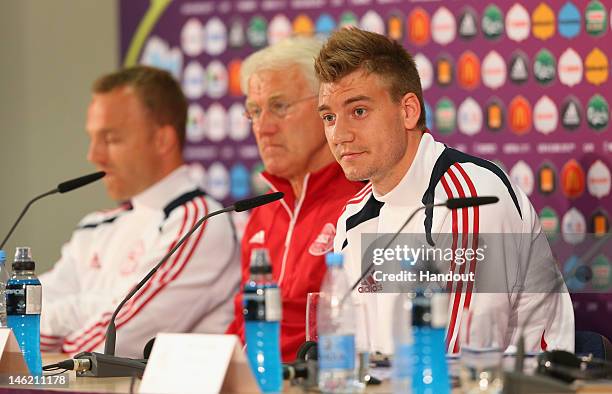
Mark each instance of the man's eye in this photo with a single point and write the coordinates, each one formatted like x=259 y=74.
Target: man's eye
x=360 y=111
x=278 y=107
x=328 y=118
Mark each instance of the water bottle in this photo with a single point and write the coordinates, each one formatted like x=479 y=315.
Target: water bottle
x=4 y=276
x=429 y=368
x=403 y=344
x=23 y=305
x=336 y=329
x=262 y=315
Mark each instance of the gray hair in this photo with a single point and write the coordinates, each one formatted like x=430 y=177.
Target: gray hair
x=300 y=51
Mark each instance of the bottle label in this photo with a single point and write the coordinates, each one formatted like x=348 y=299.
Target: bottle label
x=23 y=299
x=337 y=352
x=262 y=303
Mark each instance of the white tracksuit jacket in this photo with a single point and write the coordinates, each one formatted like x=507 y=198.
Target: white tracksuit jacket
x=111 y=251
x=508 y=290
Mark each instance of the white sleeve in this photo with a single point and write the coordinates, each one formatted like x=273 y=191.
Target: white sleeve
x=197 y=283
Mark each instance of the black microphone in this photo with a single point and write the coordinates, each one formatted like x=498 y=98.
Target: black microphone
x=451 y=203
x=106 y=364
x=61 y=188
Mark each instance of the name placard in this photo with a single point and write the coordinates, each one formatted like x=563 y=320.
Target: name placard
x=197 y=363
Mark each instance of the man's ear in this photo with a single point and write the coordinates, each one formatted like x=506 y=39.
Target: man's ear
x=166 y=139
x=411 y=110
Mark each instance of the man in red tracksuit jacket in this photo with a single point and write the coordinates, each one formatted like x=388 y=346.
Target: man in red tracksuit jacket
x=299 y=229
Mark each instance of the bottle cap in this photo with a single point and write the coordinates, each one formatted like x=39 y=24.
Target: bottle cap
x=334 y=259
x=260 y=262
x=23 y=259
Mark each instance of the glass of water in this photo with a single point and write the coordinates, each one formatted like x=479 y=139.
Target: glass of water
x=481 y=354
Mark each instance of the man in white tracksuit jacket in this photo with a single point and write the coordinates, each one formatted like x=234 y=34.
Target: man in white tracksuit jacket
x=371 y=103
x=136 y=125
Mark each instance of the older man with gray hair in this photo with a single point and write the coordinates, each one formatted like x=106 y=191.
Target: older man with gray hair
x=281 y=97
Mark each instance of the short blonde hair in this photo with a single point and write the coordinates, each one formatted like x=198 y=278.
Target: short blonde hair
x=300 y=51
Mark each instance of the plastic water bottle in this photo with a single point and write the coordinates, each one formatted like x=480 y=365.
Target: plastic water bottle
x=4 y=276
x=429 y=368
x=262 y=315
x=336 y=329
x=23 y=305
x=403 y=343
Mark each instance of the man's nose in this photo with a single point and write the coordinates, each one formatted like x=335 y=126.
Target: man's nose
x=340 y=132
x=267 y=123
x=96 y=153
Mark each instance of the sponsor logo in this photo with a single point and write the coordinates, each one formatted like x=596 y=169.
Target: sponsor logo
x=597 y=113
x=196 y=123
x=549 y=222
x=256 y=32
x=569 y=20
x=571 y=113
x=194 y=81
x=217 y=79
x=279 y=28
x=522 y=175
x=468 y=70
x=543 y=22
x=216 y=124
x=493 y=70
x=217 y=181
x=233 y=70
x=468 y=24
x=600 y=223
x=239 y=126
x=258 y=238
x=544 y=67
x=325 y=25
x=425 y=70
x=517 y=23
x=494 y=115
x=573 y=180
x=192 y=37
x=519 y=115
x=443 y=26
x=602 y=273
x=216 y=37
x=546 y=179
x=348 y=19
x=545 y=115
x=369 y=285
x=598 y=179
x=236 y=34
x=418 y=26
x=596 y=65
x=570 y=68
x=95 y=262
x=573 y=227
x=445 y=116
x=469 y=117
x=371 y=21
x=395 y=26
x=240 y=185
x=596 y=18
x=519 y=68
x=324 y=242
x=444 y=70
x=303 y=26
x=492 y=22
x=576 y=274
x=130 y=264
x=157 y=53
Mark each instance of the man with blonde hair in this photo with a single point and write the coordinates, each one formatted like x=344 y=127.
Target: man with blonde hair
x=372 y=108
x=281 y=98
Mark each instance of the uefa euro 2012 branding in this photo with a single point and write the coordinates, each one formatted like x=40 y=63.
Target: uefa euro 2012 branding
x=407 y=259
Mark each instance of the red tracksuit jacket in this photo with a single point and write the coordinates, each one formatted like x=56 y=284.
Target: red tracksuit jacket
x=298 y=234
